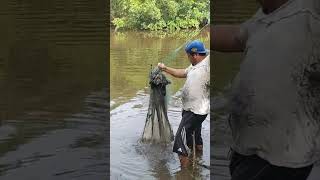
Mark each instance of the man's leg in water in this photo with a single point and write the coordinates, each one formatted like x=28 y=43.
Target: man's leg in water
x=196 y=128
x=255 y=168
x=183 y=136
x=198 y=138
x=180 y=142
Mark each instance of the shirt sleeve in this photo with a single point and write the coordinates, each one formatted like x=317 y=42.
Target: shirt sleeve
x=313 y=5
x=208 y=72
x=188 y=69
x=247 y=27
x=244 y=33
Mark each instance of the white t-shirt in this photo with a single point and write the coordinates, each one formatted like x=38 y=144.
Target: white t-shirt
x=196 y=90
x=275 y=106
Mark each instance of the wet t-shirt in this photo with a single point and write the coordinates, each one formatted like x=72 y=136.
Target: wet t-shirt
x=275 y=99
x=195 y=92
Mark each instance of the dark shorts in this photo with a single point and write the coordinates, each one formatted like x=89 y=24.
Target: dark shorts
x=255 y=168
x=190 y=123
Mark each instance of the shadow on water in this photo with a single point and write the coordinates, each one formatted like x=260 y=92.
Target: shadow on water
x=53 y=90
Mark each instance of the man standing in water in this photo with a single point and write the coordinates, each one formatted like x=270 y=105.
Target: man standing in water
x=275 y=98
x=195 y=99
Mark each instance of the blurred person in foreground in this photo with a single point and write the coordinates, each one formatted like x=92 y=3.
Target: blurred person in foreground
x=275 y=98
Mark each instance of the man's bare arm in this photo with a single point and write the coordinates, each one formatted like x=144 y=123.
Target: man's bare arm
x=226 y=38
x=178 y=73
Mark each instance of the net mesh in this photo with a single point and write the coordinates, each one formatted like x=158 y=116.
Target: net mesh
x=157 y=126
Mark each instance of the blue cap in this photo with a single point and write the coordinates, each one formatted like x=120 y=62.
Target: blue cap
x=195 y=46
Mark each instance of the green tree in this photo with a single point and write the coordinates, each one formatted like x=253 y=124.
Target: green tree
x=154 y=15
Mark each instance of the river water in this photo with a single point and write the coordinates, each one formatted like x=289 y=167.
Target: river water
x=132 y=54
x=53 y=90
x=54 y=95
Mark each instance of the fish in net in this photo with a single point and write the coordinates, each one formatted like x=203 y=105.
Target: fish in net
x=157 y=127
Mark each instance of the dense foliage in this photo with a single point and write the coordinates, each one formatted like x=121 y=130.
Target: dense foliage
x=159 y=14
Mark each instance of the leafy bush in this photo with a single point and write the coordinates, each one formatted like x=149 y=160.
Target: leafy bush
x=155 y=15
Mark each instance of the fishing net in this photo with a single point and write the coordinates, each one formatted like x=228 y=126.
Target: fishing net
x=157 y=127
